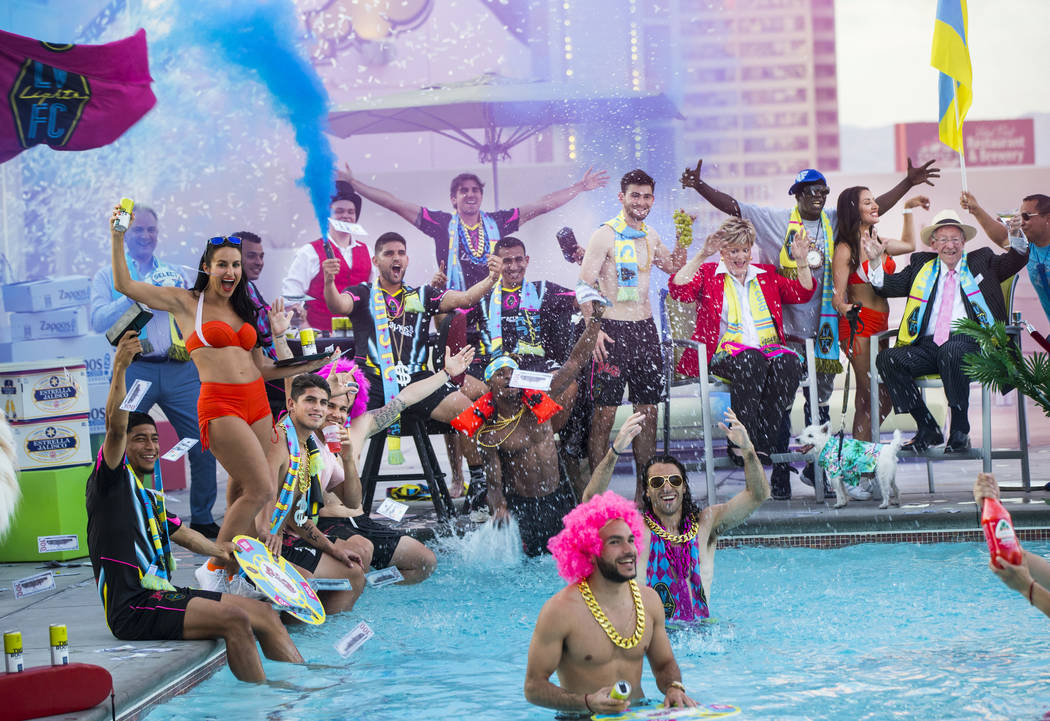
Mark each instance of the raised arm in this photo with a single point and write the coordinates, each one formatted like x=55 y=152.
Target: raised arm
x=415 y=392
x=914 y=176
x=756 y=486
x=669 y=261
x=988 y=222
x=408 y=211
x=116 y=417
x=494 y=484
x=568 y=373
x=713 y=245
x=558 y=198
x=601 y=475
x=908 y=235
x=721 y=201
x=339 y=303
x=466 y=298
x=166 y=299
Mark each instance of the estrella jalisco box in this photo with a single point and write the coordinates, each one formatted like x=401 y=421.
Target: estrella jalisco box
x=44 y=389
x=52 y=442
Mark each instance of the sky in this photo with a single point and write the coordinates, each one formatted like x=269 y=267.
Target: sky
x=890 y=80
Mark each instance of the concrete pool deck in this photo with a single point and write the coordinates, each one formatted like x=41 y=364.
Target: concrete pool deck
x=146 y=673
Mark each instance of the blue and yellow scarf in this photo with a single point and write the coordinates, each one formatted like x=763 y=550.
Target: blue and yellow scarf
x=919 y=298
x=626 y=255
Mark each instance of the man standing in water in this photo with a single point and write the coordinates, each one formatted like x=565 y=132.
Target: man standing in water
x=579 y=631
x=618 y=258
x=678 y=553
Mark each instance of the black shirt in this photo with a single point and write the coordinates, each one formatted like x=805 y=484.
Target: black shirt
x=550 y=326
x=409 y=312
x=435 y=224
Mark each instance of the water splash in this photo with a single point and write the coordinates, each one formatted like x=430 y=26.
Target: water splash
x=260 y=37
x=491 y=546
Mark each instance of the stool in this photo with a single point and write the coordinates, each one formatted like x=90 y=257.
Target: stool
x=432 y=474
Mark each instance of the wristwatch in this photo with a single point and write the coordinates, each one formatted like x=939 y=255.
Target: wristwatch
x=678 y=685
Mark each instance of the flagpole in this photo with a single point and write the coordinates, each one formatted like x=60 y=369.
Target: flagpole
x=958 y=126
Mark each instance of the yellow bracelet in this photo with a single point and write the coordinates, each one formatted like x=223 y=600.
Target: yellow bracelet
x=678 y=685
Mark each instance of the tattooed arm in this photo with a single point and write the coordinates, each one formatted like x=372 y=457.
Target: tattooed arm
x=415 y=392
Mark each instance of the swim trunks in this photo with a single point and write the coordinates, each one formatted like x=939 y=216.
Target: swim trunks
x=145 y=615
x=539 y=518
x=384 y=538
x=635 y=360
x=297 y=551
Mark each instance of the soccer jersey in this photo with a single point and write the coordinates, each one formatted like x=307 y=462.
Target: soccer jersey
x=409 y=311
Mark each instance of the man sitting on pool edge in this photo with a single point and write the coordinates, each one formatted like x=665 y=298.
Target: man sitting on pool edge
x=578 y=630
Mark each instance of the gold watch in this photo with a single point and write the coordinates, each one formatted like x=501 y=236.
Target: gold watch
x=678 y=685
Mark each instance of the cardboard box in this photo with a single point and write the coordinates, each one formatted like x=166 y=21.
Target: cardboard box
x=61 y=323
x=52 y=505
x=32 y=296
x=52 y=443
x=93 y=350
x=44 y=389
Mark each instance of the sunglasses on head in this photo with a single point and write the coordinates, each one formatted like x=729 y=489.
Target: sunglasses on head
x=224 y=240
x=659 y=481
x=1028 y=216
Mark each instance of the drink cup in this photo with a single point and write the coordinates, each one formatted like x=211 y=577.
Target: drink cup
x=331 y=437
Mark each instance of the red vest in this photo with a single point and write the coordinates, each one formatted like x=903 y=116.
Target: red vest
x=317 y=313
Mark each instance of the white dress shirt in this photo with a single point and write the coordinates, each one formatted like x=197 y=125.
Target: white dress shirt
x=306 y=266
x=747 y=323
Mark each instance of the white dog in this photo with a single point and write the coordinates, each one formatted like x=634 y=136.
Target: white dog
x=9 y=490
x=857 y=458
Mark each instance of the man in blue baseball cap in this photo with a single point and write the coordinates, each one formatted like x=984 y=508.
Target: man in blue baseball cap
x=817 y=319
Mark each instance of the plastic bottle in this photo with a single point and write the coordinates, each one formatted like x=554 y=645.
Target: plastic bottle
x=999 y=532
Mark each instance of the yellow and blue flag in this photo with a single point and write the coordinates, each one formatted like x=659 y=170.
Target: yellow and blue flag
x=951 y=55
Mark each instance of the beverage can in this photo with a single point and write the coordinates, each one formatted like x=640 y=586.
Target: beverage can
x=13 y=652
x=58 y=636
x=123 y=221
x=308 y=338
x=621 y=690
x=331 y=437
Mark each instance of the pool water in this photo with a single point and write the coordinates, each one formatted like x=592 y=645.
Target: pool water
x=874 y=631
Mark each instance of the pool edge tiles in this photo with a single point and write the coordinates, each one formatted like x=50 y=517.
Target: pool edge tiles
x=840 y=540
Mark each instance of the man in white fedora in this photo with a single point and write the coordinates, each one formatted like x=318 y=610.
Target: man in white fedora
x=941 y=287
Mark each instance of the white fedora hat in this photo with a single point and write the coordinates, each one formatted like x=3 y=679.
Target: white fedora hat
x=949 y=218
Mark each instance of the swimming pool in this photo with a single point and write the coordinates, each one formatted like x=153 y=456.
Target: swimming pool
x=874 y=631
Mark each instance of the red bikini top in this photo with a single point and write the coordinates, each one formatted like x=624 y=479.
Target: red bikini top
x=219 y=334
x=860 y=276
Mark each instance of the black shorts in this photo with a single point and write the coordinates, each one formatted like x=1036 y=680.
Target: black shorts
x=384 y=538
x=145 y=615
x=302 y=554
x=423 y=409
x=539 y=518
x=634 y=360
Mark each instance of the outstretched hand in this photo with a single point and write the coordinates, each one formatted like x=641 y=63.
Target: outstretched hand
x=735 y=431
x=800 y=247
x=440 y=280
x=495 y=264
x=920 y=201
x=874 y=248
x=628 y=432
x=280 y=319
x=713 y=244
x=592 y=180
x=345 y=174
x=457 y=364
x=691 y=178
x=922 y=173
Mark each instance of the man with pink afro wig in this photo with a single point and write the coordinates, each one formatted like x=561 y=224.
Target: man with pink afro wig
x=595 y=631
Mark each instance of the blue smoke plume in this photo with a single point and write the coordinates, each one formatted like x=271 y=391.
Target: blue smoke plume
x=261 y=37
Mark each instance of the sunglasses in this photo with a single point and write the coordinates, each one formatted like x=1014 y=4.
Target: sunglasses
x=1028 y=216
x=816 y=191
x=224 y=240
x=659 y=481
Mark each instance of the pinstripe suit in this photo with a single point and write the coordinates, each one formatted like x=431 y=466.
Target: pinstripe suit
x=899 y=366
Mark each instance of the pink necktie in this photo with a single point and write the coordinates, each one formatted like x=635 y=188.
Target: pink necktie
x=944 y=315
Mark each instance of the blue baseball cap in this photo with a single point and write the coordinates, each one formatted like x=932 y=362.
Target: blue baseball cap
x=809 y=175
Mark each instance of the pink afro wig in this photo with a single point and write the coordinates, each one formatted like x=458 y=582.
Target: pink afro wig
x=342 y=365
x=576 y=545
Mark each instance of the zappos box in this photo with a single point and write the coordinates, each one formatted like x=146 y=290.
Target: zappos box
x=32 y=296
x=50 y=521
x=92 y=350
x=60 y=323
x=44 y=389
x=52 y=443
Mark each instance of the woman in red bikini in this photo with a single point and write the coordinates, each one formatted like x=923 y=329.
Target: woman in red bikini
x=233 y=413
x=857 y=215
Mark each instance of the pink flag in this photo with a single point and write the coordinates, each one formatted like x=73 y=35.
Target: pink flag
x=71 y=97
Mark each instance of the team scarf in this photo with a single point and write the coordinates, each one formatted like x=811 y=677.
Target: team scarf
x=673 y=568
x=161 y=275
x=919 y=298
x=385 y=352
x=457 y=235
x=827 y=346
x=309 y=501
x=626 y=256
x=528 y=320
x=152 y=545
x=734 y=335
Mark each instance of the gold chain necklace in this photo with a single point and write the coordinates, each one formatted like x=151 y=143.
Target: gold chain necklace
x=500 y=425
x=606 y=624
x=302 y=474
x=660 y=531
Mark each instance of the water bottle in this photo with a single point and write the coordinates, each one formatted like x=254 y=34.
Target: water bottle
x=999 y=533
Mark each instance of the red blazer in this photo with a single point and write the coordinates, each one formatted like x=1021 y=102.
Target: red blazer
x=707 y=290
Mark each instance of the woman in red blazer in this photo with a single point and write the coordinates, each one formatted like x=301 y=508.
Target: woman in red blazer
x=739 y=317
